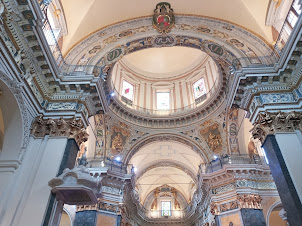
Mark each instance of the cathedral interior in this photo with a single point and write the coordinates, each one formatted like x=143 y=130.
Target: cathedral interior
x=141 y=113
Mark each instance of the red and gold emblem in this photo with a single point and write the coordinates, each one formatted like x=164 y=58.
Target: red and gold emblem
x=163 y=18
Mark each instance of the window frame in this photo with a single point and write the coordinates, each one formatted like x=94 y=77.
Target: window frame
x=157 y=103
x=124 y=80
x=204 y=85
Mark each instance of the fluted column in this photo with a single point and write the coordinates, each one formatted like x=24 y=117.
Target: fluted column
x=280 y=134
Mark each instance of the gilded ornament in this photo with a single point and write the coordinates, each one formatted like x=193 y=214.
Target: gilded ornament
x=163 y=18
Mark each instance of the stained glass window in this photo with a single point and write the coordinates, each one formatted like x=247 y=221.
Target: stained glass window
x=199 y=88
x=163 y=101
x=166 y=209
x=127 y=90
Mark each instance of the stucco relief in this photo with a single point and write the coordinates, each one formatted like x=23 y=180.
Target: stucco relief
x=277 y=98
x=233 y=126
x=99 y=121
x=119 y=135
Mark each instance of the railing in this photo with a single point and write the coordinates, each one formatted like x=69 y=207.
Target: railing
x=74 y=70
x=52 y=43
x=164 y=214
x=64 y=68
x=233 y=159
x=264 y=61
x=112 y=165
x=146 y=111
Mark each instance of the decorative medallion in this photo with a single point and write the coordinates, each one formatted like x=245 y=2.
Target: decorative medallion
x=115 y=55
x=163 y=18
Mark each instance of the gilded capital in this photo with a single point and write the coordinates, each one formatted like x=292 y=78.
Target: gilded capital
x=273 y=122
x=70 y=127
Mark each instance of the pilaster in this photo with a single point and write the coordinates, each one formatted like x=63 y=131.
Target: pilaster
x=53 y=146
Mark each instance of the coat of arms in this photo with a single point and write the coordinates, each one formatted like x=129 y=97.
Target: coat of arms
x=163 y=18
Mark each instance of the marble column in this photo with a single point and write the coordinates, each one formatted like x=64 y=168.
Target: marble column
x=252 y=217
x=86 y=218
x=280 y=134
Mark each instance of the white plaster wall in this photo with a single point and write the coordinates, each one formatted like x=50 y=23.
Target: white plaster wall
x=25 y=202
x=244 y=133
x=291 y=148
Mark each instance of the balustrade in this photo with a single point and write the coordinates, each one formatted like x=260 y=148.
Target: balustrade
x=234 y=159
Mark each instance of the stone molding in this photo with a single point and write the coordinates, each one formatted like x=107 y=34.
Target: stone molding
x=276 y=122
x=67 y=127
x=16 y=89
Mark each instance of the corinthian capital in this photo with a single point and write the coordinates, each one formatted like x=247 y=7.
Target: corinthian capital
x=273 y=122
x=71 y=128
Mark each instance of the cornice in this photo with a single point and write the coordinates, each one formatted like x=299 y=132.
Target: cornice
x=276 y=122
x=66 y=127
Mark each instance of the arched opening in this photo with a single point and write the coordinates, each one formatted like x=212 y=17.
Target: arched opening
x=11 y=126
x=166 y=177
x=276 y=216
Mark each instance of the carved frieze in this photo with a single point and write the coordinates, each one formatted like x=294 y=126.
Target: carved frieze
x=228 y=206
x=108 y=207
x=273 y=122
x=249 y=201
x=70 y=127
